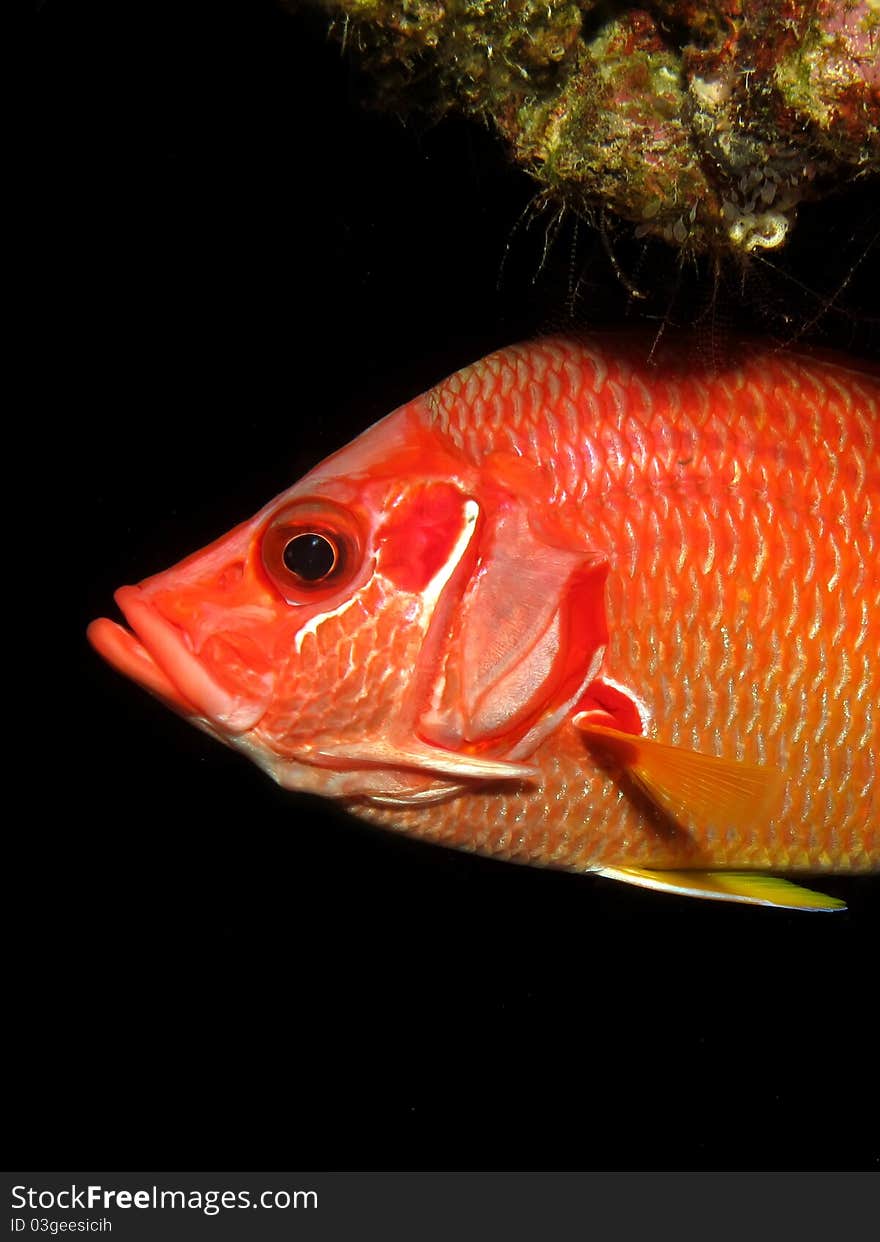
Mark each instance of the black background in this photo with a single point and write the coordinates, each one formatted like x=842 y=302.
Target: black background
x=232 y=267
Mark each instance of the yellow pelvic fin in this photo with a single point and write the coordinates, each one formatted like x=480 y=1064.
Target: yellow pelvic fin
x=689 y=785
x=753 y=888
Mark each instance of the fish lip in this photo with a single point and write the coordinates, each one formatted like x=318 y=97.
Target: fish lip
x=123 y=652
x=156 y=654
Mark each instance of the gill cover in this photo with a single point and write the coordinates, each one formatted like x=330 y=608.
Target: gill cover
x=529 y=633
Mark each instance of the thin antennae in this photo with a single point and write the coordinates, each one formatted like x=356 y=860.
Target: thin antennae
x=667 y=314
x=522 y=218
x=628 y=285
x=572 y=284
x=551 y=232
x=829 y=303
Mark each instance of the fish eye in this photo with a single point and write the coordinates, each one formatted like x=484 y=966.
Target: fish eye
x=312 y=556
x=310 y=549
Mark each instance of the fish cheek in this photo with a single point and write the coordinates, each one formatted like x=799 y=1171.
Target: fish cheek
x=343 y=680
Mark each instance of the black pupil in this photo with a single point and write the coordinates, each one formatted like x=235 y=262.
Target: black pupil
x=310 y=556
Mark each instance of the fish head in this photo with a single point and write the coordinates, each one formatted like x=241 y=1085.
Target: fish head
x=405 y=620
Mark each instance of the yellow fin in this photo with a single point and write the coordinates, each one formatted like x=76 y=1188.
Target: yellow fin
x=689 y=785
x=753 y=888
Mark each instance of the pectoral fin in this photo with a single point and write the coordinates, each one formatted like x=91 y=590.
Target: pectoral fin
x=751 y=888
x=690 y=786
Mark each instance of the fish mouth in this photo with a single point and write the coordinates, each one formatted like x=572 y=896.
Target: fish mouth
x=156 y=654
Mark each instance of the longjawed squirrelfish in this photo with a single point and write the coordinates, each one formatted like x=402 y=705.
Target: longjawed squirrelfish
x=568 y=608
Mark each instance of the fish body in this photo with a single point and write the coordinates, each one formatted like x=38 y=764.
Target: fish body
x=569 y=608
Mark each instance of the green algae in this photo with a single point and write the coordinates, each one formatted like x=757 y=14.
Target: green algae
x=704 y=124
